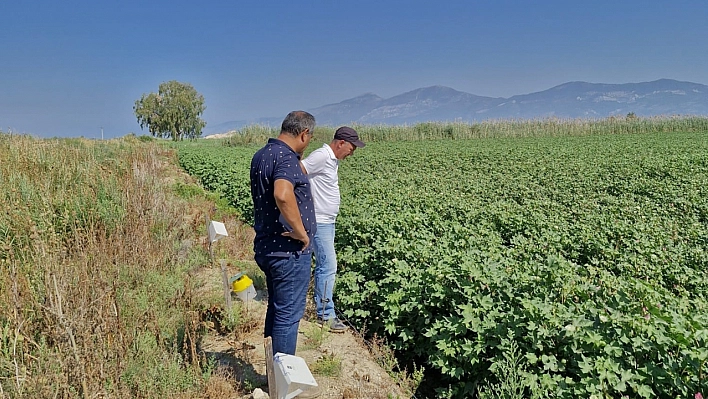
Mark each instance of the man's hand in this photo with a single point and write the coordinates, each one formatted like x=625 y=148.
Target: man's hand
x=304 y=239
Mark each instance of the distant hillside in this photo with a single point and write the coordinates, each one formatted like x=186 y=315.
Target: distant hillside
x=569 y=100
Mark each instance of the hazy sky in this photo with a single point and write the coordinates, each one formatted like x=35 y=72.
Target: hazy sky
x=69 y=68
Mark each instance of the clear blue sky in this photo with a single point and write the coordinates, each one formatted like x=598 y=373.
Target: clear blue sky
x=69 y=68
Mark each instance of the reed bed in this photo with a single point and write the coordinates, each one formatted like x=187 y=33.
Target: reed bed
x=492 y=129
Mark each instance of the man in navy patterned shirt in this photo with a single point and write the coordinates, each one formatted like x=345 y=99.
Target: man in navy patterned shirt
x=285 y=224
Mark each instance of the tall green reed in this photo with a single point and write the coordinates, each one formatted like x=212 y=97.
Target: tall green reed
x=258 y=134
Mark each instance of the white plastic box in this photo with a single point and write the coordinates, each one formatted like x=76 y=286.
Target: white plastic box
x=292 y=376
x=217 y=231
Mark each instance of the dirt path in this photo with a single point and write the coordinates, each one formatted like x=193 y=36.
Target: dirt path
x=242 y=352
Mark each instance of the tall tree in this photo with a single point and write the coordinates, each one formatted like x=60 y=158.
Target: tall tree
x=175 y=111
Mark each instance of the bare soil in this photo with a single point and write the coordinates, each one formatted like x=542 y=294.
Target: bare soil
x=241 y=353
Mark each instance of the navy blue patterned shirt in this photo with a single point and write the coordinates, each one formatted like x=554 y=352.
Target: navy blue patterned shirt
x=278 y=161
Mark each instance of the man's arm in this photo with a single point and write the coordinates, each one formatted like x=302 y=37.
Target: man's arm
x=284 y=194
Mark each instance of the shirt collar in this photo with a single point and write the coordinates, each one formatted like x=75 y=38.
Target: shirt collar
x=330 y=151
x=281 y=143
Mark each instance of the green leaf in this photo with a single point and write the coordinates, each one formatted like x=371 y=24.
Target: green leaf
x=645 y=391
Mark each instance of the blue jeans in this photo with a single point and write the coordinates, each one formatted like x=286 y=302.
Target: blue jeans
x=287 y=280
x=325 y=270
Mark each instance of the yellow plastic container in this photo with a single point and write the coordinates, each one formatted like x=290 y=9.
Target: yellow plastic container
x=242 y=285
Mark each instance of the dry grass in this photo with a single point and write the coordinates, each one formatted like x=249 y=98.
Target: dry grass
x=94 y=249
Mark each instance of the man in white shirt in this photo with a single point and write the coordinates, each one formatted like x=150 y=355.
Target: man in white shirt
x=321 y=167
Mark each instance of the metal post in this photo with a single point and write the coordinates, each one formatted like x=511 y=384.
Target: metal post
x=324 y=301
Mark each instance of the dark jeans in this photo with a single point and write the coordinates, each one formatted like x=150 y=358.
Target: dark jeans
x=287 y=280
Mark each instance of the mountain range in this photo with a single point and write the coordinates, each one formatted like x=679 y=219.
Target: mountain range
x=569 y=100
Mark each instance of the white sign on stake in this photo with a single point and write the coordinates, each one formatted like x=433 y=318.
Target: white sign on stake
x=217 y=231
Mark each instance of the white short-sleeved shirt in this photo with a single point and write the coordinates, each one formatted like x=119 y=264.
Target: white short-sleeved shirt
x=322 y=167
